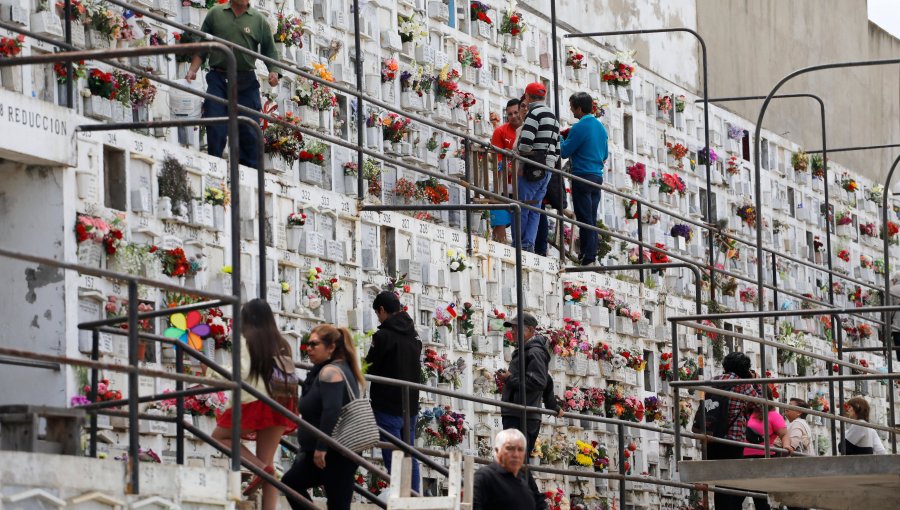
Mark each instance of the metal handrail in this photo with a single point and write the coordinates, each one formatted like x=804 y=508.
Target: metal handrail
x=402 y=164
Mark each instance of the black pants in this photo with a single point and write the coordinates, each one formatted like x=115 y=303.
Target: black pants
x=896 y=337
x=337 y=477
x=718 y=451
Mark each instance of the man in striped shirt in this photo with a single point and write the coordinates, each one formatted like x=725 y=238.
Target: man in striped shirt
x=539 y=142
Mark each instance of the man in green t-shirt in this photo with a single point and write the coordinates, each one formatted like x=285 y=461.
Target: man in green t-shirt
x=240 y=24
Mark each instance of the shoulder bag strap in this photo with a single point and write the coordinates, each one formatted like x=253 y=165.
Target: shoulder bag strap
x=346 y=383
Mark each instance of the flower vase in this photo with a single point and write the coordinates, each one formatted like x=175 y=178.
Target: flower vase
x=219 y=217
x=444 y=400
x=325 y=120
x=397 y=148
x=372 y=136
x=293 y=235
x=350 y=184
x=507 y=353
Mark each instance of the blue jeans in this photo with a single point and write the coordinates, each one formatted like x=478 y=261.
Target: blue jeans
x=585 y=201
x=393 y=424
x=217 y=134
x=532 y=193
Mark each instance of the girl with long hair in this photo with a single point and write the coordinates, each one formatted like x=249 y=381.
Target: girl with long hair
x=267 y=365
x=326 y=390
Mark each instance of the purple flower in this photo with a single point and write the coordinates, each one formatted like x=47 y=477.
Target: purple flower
x=682 y=230
x=79 y=400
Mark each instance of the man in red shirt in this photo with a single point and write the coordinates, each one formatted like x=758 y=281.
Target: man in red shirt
x=505 y=137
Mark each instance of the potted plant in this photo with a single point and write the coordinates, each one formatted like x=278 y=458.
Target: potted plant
x=174 y=191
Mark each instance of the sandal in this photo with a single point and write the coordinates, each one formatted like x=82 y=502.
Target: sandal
x=256 y=481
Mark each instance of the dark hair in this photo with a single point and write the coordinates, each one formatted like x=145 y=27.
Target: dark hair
x=583 y=101
x=799 y=402
x=522 y=99
x=513 y=102
x=342 y=341
x=738 y=363
x=387 y=300
x=264 y=341
x=860 y=406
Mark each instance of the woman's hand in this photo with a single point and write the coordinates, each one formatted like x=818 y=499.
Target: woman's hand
x=319 y=459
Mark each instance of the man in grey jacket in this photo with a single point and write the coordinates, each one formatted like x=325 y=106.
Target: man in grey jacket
x=537 y=363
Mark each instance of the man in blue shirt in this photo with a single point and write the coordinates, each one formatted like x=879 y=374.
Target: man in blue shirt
x=586 y=148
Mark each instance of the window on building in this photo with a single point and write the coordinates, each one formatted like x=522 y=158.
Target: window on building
x=703 y=212
x=628 y=127
x=745 y=146
x=810 y=248
x=115 y=190
x=650 y=372
x=764 y=156
x=791 y=202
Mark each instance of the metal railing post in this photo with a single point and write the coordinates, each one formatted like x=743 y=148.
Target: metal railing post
x=179 y=405
x=95 y=380
x=360 y=105
x=887 y=339
x=133 y=467
x=620 y=430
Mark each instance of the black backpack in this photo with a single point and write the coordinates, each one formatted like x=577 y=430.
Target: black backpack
x=717 y=420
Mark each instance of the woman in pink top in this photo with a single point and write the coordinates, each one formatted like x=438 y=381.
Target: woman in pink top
x=755 y=424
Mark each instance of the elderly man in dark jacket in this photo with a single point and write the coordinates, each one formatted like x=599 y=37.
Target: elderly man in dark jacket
x=504 y=485
x=537 y=376
x=396 y=352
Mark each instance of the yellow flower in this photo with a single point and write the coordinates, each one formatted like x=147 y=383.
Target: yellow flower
x=226 y=269
x=451 y=253
x=323 y=73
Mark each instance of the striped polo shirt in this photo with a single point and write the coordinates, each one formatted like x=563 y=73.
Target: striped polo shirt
x=540 y=133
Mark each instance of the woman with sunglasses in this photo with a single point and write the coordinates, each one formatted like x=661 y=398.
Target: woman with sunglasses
x=326 y=390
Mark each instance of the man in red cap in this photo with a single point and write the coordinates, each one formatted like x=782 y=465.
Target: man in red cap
x=539 y=142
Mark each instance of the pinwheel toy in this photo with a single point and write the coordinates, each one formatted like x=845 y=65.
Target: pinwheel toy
x=189 y=329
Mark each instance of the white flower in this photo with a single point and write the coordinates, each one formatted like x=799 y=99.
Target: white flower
x=314 y=303
x=454 y=266
x=85 y=92
x=618 y=361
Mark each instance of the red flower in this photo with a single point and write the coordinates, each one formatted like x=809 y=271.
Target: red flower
x=514 y=31
x=81 y=234
x=513 y=19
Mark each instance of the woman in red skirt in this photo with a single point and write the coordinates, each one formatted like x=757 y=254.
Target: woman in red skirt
x=266 y=364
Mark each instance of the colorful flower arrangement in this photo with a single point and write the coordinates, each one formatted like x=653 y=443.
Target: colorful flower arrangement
x=747 y=213
x=666 y=373
x=593 y=400
x=444 y=318
x=682 y=230
x=102 y=84
x=433 y=191
x=389 y=68
x=113 y=240
x=849 y=183
x=620 y=70
x=800 y=161
x=622 y=406
x=702 y=156
x=90 y=228
x=442 y=426
x=574 y=293
x=217 y=195
x=590 y=455
x=818 y=166
x=285 y=287
x=678 y=152
x=199 y=405
x=397 y=284
x=469 y=56
x=410 y=29
x=735 y=132
x=79 y=71
x=296 y=219
x=372 y=483
x=512 y=23
x=892 y=229
x=748 y=295
x=289 y=30
x=732 y=167
x=573 y=400
x=633 y=359
x=394 y=127
x=175 y=263
x=605 y=297
x=556 y=500
x=478 y=12
x=652 y=409
x=575 y=58
x=313 y=94
x=844 y=255
x=104 y=394
x=445 y=87
x=568 y=340
x=457 y=261
x=664 y=104
x=669 y=183
x=622 y=310
x=602 y=352
x=680 y=103
x=280 y=140
x=637 y=172
x=11 y=46
x=219 y=329
x=876 y=193
x=466 y=319
x=843 y=217
x=313 y=153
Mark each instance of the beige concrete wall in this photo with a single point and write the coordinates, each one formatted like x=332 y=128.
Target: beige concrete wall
x=753 y=44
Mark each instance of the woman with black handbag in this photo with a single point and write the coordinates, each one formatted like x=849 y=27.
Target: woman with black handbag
x=755 y=434
x=326 y=391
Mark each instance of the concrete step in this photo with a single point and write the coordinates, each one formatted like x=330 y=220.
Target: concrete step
x=839 y=483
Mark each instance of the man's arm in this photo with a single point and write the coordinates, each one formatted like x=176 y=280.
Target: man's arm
x=198 y=59
x=480 y=489
x=375 y=356
x=573 y=142
x=267 y=48
x=529 y=132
